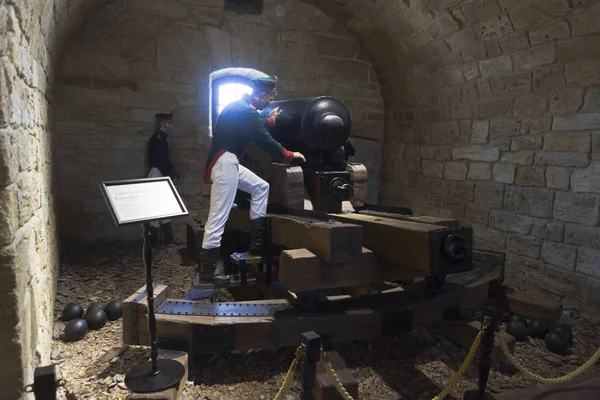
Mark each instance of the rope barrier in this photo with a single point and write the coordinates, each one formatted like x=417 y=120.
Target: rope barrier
x=336 y=379
x=287 y=381
x=454 y=381
x=587 y=365
x=449 y=386
x=455 y=378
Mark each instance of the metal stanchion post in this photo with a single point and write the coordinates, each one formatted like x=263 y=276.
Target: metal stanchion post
x=312 y=341
x=485 y=361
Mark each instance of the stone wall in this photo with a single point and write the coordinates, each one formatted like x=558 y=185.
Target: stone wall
x=32 y=36
x=28 y=256
x=492 y=116
x=139 y=57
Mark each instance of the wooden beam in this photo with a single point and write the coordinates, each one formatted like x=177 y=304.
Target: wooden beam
x=334 y=241
x=422 y=218
x=286 y=182
x=358 y=174
x=194 y=236
x=301 y=270
x=464 y=333
x=416 y=245
x=433 y=220
x=135 y=305
x=529 y=304
x=325 y=389
x=428 y=311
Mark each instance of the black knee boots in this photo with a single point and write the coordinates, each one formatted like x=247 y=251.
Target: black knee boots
x=167 y=232
x=258 y=229
x=206 y=269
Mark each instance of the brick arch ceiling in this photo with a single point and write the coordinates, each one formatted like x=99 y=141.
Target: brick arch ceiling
x=407 y=41
x=380 y=25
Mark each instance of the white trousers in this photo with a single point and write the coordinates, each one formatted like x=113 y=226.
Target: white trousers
x=155 y=173
x=227 y=176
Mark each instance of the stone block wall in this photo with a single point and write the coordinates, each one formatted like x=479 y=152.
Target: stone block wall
x=138 y=57
x=492 y=116
x=28 y=248
x=32 y=36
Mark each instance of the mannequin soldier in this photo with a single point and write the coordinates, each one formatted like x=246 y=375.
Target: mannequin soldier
x=159 y=164
x=237 y=126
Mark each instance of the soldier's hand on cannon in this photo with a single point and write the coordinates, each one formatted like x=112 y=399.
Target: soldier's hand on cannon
x=299 y=155
x=275 y=113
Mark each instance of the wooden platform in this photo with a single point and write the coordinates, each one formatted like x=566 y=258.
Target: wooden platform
x=585 y=387
x=340 y=319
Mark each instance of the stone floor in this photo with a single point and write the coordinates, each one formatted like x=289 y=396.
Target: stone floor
x=586 y=387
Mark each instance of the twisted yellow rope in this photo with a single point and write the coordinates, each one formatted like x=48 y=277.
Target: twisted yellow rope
x=457 y=376
x=472 y=351
x=287 y=381
x=449 y=386
x=336 y=380
x=587 y=365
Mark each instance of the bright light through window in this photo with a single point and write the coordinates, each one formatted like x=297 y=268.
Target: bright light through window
x=230 y=92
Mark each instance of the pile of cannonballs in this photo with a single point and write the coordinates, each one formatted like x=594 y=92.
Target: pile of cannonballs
x=558 y=337
x=95 y=318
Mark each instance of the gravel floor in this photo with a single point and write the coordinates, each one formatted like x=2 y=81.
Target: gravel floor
x=413 y=366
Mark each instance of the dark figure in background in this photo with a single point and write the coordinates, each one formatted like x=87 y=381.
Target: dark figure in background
x=159 y=164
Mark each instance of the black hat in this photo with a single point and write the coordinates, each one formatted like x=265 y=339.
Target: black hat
x=266 y=83
x=164 y=116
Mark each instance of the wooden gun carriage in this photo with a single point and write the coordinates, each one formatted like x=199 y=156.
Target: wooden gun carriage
x=322 y=234
x=334 y=264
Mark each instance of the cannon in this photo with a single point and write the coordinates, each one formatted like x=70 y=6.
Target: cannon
x=329 y=188
x=315 y=126
x=319 y=128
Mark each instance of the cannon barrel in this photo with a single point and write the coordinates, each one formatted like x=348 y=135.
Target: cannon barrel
x=311 y=125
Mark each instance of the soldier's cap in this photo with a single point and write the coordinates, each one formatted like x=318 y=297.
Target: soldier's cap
x=265 y=83
x=164 y=116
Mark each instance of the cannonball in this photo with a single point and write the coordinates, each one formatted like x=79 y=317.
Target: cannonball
x=114 y=310
x=76 y=330
x=556 y=343
x=538 y=328
x=96 y=304
x=95 y=318
x=564 y=331
x=517 y=318
x=72 y=311
x=518 y=331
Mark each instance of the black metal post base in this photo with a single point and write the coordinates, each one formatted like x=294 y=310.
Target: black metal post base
x=140 y=378
x=475 y=395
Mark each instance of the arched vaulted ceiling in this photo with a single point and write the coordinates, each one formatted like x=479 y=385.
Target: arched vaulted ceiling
x=396 y=34
x=380 y=25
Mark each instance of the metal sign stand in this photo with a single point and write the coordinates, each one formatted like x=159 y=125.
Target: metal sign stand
x=143 y=201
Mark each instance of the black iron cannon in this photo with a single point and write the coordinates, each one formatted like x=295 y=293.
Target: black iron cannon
x=319 y=128
x=311 y=125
